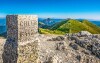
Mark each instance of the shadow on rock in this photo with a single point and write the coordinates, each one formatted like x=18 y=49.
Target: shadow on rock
x=10 y=53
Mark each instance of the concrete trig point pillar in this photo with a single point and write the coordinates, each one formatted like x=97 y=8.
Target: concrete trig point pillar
x=21 y=46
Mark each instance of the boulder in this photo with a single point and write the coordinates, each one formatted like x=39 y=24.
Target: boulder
x=84 y=33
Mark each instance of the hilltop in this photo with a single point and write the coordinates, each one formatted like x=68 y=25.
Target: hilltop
x=72 y=26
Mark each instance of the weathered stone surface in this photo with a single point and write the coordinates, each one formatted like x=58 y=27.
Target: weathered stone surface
x=84 y=33
x=89 y=42
x=22 y=27
x=21 y=45
x=2 y=42
x=59 y=38
x=74 y=46
x=47 y=52
x=10 y=53
x=28 y=53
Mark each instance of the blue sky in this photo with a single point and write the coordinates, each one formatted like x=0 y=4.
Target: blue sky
x=88 y=9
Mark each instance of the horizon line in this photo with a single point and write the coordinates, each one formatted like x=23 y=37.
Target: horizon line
x=2 y=16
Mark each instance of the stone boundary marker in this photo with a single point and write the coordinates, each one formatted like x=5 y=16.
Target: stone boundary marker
x=20 y=46
x=22 y=27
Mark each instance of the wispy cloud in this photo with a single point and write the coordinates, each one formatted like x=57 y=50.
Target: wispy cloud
x=94 y=16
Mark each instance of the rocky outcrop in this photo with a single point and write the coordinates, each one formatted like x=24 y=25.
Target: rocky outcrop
x=64 y=51
x=84 y=33
x=45 y=51
x=89 y=42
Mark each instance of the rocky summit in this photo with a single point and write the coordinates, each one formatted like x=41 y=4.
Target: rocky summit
x=69 y=48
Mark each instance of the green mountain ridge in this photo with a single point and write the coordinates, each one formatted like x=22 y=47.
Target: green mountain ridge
x=72 y=26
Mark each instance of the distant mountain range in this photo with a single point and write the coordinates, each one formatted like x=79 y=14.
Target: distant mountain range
x=49 y=21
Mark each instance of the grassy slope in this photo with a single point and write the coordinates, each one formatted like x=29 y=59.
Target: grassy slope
x=72 y=26
x=95 y=29
x=48 y=31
